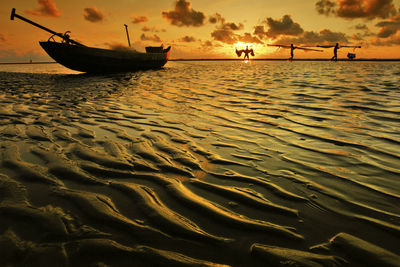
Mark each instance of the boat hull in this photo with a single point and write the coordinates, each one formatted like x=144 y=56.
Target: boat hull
x=97 y=60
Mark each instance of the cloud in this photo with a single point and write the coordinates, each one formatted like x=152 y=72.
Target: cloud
x=216 y=18
x=224 y=31
x=207 y=44
x=325 y=36
x=224 y=36
x=389 y=27
x=227 y=36
x=184 y=15
x=47 y=8
x=210 y=45
x=152 y=29
x=361 y=27
x=92 y=14
x=154 y=38
x=187 y=39
x=357 y=37
x=147 y=29
x=388 y=30
x=248 y=38
x=326 y=7
x=362 y=31
x=139 y=19
x=233 y=26
x=390 y=41
x=284 y=26
x=260 y=31
x=352 y=9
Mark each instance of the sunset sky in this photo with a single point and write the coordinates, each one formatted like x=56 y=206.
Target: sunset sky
x=206 y=28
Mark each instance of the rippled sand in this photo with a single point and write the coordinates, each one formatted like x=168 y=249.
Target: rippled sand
x=202 y=164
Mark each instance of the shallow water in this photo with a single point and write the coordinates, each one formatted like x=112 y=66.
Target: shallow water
x=204 y=159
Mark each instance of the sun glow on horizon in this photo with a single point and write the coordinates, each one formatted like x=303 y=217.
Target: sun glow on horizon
x=259 y=49
x=202 y=29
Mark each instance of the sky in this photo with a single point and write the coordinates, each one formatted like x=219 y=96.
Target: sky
x=207 y=28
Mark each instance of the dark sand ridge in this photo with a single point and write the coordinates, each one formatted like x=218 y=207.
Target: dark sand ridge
x=88 y=178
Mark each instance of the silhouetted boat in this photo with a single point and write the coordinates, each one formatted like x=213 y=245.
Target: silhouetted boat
x=97 y=60
x=77 y=56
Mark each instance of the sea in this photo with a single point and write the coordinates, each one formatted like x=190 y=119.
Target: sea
x=201 y=163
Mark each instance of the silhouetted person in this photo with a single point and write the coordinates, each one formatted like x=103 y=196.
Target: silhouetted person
x=292 y=48
x=246 y=52
x=335 y=49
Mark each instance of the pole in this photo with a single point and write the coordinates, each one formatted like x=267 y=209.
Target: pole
x=127 y=34
x=15 y=15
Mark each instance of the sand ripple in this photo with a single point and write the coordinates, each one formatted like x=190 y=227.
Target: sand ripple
x=202 y=164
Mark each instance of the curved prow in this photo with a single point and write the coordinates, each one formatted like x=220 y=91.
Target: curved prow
x=63 y=36
x=166 y=50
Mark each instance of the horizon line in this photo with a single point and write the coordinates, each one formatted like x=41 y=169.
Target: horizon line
x=232 y=59
x=284 y=59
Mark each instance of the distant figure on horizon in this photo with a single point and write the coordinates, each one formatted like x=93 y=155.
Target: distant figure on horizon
x=335 y=49
x=246 y=52
x=292 y=48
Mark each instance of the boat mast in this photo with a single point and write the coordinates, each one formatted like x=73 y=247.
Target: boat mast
x=66 y=38
x=127 y=34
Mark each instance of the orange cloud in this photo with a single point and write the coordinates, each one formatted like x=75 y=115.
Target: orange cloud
x=224 y=36
x=351 y=9
x=207 y=43
x=224 y=31
x=92 y=14
x=47 y=8
x=187 y=39
x=139 y=19
x=248 y=38
x=394 y=39
x=276 y=28
x=216 y=18
x=326 y=7
x=389 y=27
x=210 y=45
x=325 y=36
x=152 y=29
x=227 y=36
x=184 y=15
x=154 y=38
x=363 y=31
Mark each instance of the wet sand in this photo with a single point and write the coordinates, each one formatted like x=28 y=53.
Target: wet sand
x=202 y=164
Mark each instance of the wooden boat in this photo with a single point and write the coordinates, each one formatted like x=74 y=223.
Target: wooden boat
x=97 y=60
x=77 y=56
